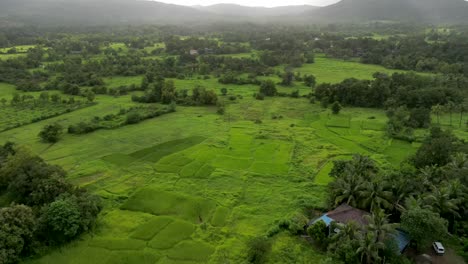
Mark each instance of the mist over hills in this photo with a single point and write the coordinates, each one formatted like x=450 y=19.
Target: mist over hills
x=244 y=11
x=422 y=11
x=105 y=12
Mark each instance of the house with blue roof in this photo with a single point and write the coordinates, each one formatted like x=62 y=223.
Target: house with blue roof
x=345 y=214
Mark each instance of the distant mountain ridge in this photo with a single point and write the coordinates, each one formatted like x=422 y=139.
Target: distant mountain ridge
x=115 y=12
x=245 y=11
x=423 y=11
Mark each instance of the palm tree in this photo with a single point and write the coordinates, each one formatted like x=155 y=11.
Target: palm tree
x=437 y=110
x=369 y=248
x=345 y=232
x=380 y=225
x=450 y=106
x=441 y=202
x=402 y=188
x=463 y=107
x=362 y=166
x=427 y=176
x=346 y=190
x=375 y=195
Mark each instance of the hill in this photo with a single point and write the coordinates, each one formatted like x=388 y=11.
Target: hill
x=89 y=12
x=244 y=11
x=115 y=12
x=420 y=11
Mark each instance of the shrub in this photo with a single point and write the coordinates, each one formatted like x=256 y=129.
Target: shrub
x=336 y=108
x=133 y=118
x=258 y=250
x=318 y=232
x=51 y=133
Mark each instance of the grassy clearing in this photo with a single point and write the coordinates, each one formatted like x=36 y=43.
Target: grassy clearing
x=148 y=230
x=172 y=234
x=192 y=251
x=328 y=70
x=158 y=202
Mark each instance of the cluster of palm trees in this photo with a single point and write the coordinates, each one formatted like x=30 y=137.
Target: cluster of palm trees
x=361 y=184
x=450 y=108
x=366 y=242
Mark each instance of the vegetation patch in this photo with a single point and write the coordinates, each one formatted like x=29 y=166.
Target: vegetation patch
x=192 y=251
x=220 y=216
x=118 y=244
x=148 y=230
x=155 y=153
x=172 y=234
x=158 y=202
x=132 y=257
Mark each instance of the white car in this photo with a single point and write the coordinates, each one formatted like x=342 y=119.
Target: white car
x=438 y=248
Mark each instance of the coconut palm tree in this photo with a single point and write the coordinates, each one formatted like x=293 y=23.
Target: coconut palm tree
x=437 y=110
x=380 y=225
x=375 y=195
x=346 y=190
x=369 y=248
x=450 y=107
x=441 y=202
x=362 y=166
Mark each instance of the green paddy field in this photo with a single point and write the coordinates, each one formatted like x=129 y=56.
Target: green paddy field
x=194 y=186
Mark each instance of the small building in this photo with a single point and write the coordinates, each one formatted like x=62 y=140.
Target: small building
x=344 y=214
x=193 y=52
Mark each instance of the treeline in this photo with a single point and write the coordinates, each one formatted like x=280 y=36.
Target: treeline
x=45 y=209
x=415 y=52
x=425 y=198
x=124 y=117
x=160 y=91
x=400 y=89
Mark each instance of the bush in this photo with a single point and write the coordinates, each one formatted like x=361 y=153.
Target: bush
x=51 y=133
x=133 y=118
x=259 y=96
x=336 y=108
x=258 y=250
x=318 y=232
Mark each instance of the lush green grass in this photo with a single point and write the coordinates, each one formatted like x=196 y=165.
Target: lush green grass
x=11 y=56
x=158 y=202
x=6 y=90
x=328 y=70
x=172 y=234
x=19 y=48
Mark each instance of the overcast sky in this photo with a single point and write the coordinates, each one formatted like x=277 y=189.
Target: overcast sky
x=268 y=3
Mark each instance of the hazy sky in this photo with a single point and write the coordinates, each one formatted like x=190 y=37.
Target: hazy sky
x=269 y=3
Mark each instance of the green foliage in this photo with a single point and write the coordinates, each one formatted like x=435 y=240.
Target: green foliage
x=51 y=133
x=268 y=88
x=62 y=220
x=133 y=118
x=436 y=149
x=258 y=249
x=336 y=108
x=16 y=232
x=224 y=91
x=310 y=81
x=424 y=226
x=318 y=232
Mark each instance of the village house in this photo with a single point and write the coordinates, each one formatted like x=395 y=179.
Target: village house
x=344 y=214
